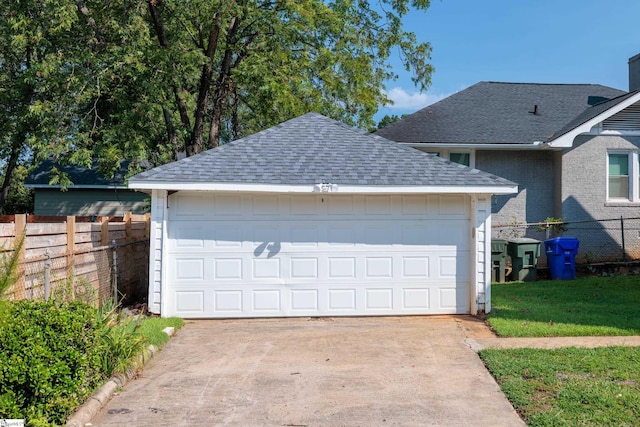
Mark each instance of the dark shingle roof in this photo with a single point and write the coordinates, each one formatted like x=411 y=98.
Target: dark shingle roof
x=313 y=149
x=592 y=112
x=498 y=113
x=80 y=176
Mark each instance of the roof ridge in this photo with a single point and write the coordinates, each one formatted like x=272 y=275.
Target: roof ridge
x=545 y=84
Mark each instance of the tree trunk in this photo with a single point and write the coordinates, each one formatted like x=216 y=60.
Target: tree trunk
x=195 y=143
x=8 y=174
x=158 y=25
x=223 y=87
x=172 y=136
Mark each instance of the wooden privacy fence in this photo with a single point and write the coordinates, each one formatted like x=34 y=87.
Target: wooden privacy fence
x=87 y=257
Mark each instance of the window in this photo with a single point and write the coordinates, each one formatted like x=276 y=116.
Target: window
x=462 y=158
x=466 y=158
x=623 y=180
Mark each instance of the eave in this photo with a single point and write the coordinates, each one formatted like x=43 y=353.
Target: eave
x=536 y=145
x=83 y=187
x=566 y=140
x=324 y=187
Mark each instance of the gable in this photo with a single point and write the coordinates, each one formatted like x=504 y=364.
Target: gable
x=627 y=120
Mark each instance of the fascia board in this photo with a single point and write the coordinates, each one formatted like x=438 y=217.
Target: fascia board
x=87 y=186
x=529 y=146
x=357 y=189
x=566 y=140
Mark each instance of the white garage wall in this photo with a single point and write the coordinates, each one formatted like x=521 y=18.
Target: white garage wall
x=156 y=250
x=481 y=239
x=189 y=210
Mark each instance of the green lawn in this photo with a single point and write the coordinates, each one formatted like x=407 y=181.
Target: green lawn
x=583 y=307
x=570 y=387
x=151 y=329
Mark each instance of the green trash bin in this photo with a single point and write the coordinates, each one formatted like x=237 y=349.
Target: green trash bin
x=498 y=260
x=524 y=253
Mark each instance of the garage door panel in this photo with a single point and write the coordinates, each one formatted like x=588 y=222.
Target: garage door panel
x=415 y=299
x=415 y=267
x=318 y=255
x=453 y=205
x=377 y=205
x=379 y=299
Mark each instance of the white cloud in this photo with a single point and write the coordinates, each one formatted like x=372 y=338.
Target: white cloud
x=403 y=100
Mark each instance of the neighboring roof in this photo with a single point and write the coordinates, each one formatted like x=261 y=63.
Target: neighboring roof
x=313 y=149
x=498 y=113
x=80 y=176
x=593 y=112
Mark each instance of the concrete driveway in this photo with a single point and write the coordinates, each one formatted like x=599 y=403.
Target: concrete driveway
x=314 y=372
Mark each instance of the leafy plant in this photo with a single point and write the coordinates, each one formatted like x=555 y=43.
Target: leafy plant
x=9 y=262
x=514 y=230
x=556 y=226
x=117 y=338
x=49 y=362
x=75 y=288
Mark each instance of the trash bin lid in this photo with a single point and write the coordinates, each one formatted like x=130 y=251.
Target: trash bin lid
x=498 y=245
x=524 y=240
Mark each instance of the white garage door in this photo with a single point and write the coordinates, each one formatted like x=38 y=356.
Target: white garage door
x=316 y=255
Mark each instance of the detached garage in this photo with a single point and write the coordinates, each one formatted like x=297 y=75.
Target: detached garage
x=314 y=218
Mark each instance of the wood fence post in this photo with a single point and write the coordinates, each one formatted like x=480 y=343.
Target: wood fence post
x=147 y=225
x=71 y=246
x=127 y=226
x=104 y=230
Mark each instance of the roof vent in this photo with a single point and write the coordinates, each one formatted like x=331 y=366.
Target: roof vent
x=593 y=100
x=535 y=110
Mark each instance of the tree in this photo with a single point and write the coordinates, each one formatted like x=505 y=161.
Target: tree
x=389 y=119
x=87 y=79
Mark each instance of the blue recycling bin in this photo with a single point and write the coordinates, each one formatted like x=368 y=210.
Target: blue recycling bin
x=561 y=256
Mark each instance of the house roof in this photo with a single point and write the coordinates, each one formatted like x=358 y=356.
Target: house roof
x=313 y=149
x=593 y=112
x=499 y=113
x=80 y=176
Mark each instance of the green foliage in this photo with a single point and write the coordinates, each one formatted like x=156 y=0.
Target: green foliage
x=152 y=328
x=48 y=360
x=118 y=342
x=388 y=120
x=20 y=199
x=570 y=386
x=95 y=80
x=53 y=355
x=556 y=226
x=583 y=307
x=9 y=262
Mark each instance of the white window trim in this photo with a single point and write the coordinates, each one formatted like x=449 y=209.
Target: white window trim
x=444 y=153
x=634 y=170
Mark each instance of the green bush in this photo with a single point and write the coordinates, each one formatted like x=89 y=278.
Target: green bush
x=49 y=362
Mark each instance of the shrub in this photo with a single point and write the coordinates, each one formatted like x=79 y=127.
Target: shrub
x=48 y=360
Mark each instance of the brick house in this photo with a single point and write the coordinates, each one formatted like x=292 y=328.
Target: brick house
x=573 y=149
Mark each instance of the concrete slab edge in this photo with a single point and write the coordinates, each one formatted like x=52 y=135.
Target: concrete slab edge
x=96 y=402
x=474 y=345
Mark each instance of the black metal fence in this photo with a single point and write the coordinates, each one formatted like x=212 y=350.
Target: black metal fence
x=602 y=240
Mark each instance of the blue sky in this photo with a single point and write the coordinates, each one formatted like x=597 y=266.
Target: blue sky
x=541 y=41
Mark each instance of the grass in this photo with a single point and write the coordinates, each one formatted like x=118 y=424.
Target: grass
x=151 y=329
x=594 y=306
x=570 y=386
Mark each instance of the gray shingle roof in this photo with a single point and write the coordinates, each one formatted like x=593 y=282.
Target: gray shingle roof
x=592 y=112
x=80 y=176
x=498 y=113
x=313 y=149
